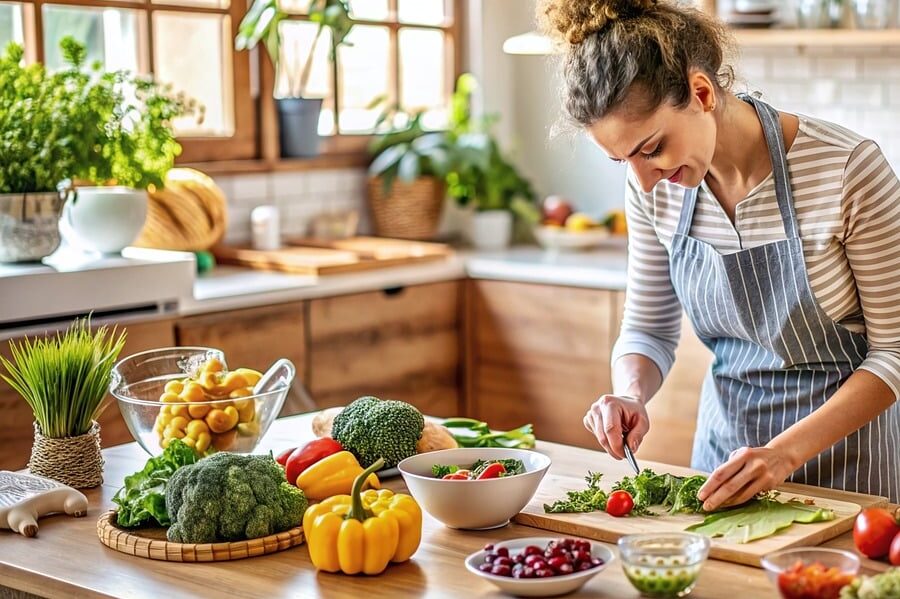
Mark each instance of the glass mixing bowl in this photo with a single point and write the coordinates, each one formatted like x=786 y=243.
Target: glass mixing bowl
x=158 y=406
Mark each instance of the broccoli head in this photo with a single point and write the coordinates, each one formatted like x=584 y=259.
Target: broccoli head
x=372 y=428
x=231 y=497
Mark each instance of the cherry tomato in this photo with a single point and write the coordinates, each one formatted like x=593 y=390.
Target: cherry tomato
x=894 y=554
x=813 y=581
x=620 y=503
x=873 y=532
x=493 y=470
x=455 y=476
x=306 y=455
x=284 y=455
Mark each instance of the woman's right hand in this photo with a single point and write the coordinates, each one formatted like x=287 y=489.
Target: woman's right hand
x=610 y=415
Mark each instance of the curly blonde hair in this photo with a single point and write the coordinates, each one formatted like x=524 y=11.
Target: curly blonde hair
x=634 y=53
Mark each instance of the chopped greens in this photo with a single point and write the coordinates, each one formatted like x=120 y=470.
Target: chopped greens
x=588 y=500
x=758 y=519
x=677 y=493
x=512 y=467
x=440 y=471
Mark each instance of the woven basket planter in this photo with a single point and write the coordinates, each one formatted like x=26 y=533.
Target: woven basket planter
x=73 y=461
x=411 y=211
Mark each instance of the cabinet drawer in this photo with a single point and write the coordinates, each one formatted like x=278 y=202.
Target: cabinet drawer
x=394 y=344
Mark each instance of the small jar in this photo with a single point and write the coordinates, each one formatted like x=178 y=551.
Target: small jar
x=266 y=228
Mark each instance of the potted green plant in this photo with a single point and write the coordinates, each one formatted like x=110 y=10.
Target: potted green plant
x=298 y=115
x=64 y=379
x=79 y=124
x=406 y=177
x=481 y=177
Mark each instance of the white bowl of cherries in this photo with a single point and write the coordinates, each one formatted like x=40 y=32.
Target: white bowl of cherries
x=540 y=566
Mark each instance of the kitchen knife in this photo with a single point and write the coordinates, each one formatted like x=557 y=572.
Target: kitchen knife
x=629 y=455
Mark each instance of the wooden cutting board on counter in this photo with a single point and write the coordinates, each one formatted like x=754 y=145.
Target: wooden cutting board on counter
x=324 y=257
x=603 y=527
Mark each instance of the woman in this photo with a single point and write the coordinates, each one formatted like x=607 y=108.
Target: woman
x=777 y=234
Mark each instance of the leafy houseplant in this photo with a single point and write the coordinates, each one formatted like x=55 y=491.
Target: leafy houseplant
x=480 y=176
x=78 y=123
x=298 y=115
x=64 y=380
x=406 y=177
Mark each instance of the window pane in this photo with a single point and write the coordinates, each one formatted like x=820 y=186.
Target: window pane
x=201 y=3
x=295 y=6
x=422 y=73
x=193 y=53
x=297 y=42
x=423 y=12
x=375 y=10
x=110 y=34
x=364 y=75
x=11 y=25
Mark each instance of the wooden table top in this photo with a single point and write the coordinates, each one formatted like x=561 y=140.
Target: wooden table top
x=67 y=559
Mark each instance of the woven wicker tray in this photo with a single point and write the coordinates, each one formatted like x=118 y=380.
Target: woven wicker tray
x=151 y=543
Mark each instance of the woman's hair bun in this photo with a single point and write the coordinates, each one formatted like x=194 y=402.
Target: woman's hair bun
x=574 y=20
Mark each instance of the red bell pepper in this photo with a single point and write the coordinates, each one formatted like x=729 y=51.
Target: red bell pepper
x=284 y=455
x=305 y=456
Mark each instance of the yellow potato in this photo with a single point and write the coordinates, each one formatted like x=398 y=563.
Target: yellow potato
x=224 y=441
x=209 y=381
x=189 y=442
x=169 y=397
x=193 y=392
x=213 y=365
x=203 y=441
x=175 y=387
x=198 y=410
x=247 y=411
x=179 y=410
x=179 y=422
x=173 y=433
x=248 y=429
x=252 y=376
x=220 y=421
x=195 y=427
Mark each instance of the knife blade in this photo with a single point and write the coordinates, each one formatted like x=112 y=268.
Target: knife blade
x=629 y=456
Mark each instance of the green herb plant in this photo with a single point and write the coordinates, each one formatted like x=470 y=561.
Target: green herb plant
x=262 y=23
x=83 y=123
x=591 y=499
x=64 y=378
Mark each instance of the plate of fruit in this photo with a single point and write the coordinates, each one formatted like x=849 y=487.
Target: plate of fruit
x=562 y=228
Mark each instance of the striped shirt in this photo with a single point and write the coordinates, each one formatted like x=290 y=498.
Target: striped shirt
x=847 y=201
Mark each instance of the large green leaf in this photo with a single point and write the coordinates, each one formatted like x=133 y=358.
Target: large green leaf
x=387 y=159
x=410 y=167
x=758 y=519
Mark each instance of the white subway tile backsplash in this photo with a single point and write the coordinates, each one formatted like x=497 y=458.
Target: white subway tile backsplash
x=869 y=94
x=822 y=92
x=837 y=67
x=881 y=67
x=323 y=181
x=791 y=68
x=751 y=68
x=289 y=185
x=250 y=187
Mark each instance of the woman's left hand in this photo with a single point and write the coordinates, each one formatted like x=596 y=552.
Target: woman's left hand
x=748 y=471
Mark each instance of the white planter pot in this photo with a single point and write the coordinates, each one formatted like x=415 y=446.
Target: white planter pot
x=104 y=219
x=491 y=229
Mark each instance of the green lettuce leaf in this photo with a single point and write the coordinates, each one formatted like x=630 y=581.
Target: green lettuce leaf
x=142 y=501
x=758 y=519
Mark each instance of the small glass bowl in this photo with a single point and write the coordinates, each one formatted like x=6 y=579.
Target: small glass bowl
x=779 y=561
x=663 y=565
x=139 y=381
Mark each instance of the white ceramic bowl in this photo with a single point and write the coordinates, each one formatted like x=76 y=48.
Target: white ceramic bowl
x=539 y=587
x=473 y=504
x=560 y=238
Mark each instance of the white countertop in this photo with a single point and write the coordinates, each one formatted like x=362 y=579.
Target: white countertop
x=228 y=287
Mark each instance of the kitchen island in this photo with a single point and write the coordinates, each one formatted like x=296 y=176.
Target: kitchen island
x=67 y=559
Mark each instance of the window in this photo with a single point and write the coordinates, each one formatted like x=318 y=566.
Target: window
x=404 y=50
x=186 y=43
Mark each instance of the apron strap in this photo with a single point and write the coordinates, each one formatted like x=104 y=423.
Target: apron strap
x=771 y=125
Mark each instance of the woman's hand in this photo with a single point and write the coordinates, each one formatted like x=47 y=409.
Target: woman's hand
x=748 y=471
x=610 y=415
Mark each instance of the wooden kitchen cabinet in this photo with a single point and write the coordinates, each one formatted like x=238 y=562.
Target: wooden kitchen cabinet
x=401 y=343
x=255 y=338
x=17 y=432
x=538 y=353
x=673 y=410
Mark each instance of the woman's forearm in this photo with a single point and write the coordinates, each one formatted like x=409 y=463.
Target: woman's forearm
x=637 y=376
x=861 y=398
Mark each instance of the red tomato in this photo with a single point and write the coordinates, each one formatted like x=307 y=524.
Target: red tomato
x=492 y=471
x=814 y=581
x=305 y=456
x=894 y=554
x=873 y=532
x=620 y=503
x=284 y=455
x=455 y=476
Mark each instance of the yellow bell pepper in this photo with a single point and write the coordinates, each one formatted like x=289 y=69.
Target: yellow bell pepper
x=333 y=475
x=362 y=532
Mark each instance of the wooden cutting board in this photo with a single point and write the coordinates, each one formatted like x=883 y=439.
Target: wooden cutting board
x=603 y=527
x=321 y=257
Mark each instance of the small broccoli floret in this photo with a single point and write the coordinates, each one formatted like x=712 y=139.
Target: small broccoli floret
x=231 y=497
x=372 y=428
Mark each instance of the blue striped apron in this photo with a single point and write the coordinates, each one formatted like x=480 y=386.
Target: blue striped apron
x=778 y=355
